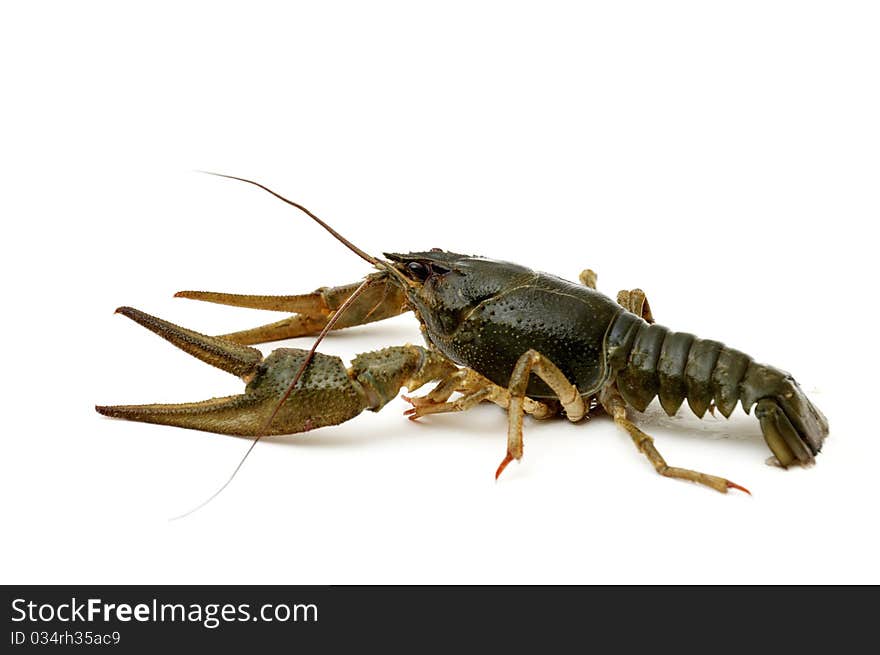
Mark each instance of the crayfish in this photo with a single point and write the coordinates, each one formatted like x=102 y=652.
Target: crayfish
x=496 y=332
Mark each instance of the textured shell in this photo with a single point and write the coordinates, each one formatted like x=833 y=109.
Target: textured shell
x=564 y=321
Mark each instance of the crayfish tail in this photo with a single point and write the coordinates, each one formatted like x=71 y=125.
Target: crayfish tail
x=793 y=427
x=651 y=361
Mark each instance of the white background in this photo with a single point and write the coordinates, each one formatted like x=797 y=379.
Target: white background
x=723 y=156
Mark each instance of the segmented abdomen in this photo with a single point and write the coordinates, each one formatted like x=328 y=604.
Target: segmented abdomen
x=651 y=360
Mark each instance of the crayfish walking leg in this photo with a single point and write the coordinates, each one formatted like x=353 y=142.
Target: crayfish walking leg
x=474 y=389
x=616 y=407
x=572 y=402
x=632 y=300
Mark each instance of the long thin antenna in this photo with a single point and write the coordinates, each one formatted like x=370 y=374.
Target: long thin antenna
x=336 y=234
x=302 y=369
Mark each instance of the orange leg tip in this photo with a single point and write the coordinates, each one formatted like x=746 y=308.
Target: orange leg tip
x=507 y=459
x=734 y=485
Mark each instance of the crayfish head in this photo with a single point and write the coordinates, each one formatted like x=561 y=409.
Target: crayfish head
x=444 y=287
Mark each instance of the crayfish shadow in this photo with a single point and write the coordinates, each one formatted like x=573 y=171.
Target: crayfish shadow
x=486 y=421
x=334 y=437
x=741 y=430
x=391 y=334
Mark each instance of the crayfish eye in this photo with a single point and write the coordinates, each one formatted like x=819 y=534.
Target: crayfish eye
x=419 y=270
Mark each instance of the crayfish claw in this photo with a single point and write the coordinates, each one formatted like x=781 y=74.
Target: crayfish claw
x=310 y=304
x=310 y=317
x=311 y=311
x=289 y=391
x=225 y=355
x=239 y=415
x=324 y=395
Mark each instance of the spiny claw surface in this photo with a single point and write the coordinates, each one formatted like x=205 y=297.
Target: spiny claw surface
x=326 y=393
x=324 y=396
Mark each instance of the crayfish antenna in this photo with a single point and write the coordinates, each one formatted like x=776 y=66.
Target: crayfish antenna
x=360 y=253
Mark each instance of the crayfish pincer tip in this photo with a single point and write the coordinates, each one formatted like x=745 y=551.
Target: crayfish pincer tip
x=507 y=460
x=734 y=485
x=130 y=312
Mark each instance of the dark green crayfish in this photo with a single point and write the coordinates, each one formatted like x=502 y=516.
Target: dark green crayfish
x=500 y=332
